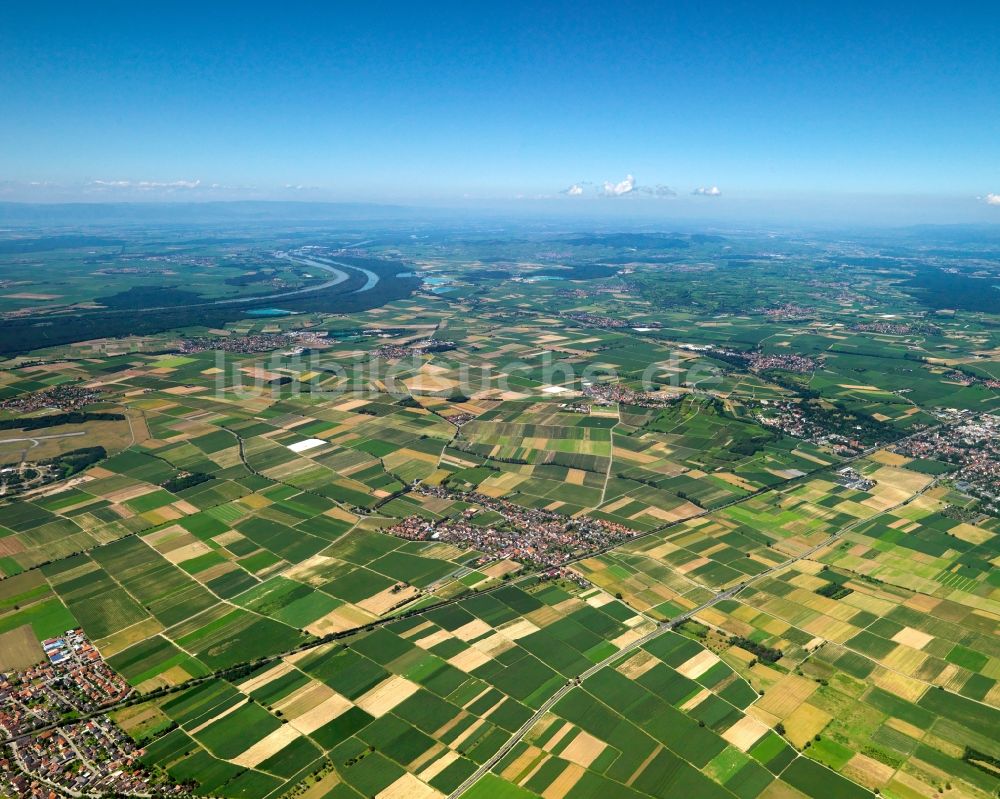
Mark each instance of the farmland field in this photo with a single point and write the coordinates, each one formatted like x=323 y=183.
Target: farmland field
x=635 y=532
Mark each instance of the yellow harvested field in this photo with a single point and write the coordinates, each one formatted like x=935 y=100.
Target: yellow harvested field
x=922 y=602
x=457 y=719
x=543 y=616
x=916 y=733
x=660 y=550
x=272 y=674
x=402 y=456
x=517 y=629
x=564 y=783
x=637 y=665
x=617 y=504
x=431 y=383
x=785 y=695
x=520 y=766
x=435 y=638
x=583 y=750
x=903 y=784
x=428 y=757
x=322 y=787
x=745 y=733
x=439 y=765
x=736 y=480
x=637 y=457
x=474 y=629
x=387 y=599
x=696 y=700
x=630 y=636
x=343 y=618
x=866 y=770
x=471 y=732
x=804 y=722
x=493 y=645
x=575 y=477
x=899 y=684
x=889 y=458
x=169 y=538
x=350 y=405
x=904 y=660
x=408 y=787
x=691 y=565
x=911 y=637
x=561 y=733
x=469 y=659
x=183 y=390
x=229 y=537
x=186 y=552
x=185 y=507
x=501 y=568
x=314 y=718
x=123 y=639
x=303 y=699
x=386 y=695
x=682 y=511
x=137 y=717
x=781 y=790
x=599 y=599
x=901 y=479
x=269 y=746
x=971 y=534
x=694 y=667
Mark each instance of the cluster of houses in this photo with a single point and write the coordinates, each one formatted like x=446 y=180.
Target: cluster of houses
x=528 y=535
x=59 y=742
x=66 y=397
x=972 y=444
x=90 y=758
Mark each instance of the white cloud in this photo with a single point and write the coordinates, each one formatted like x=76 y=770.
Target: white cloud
x=992 y=199
x=712 y=191
x=619 y=189
x=146 y=185
x=629 y=187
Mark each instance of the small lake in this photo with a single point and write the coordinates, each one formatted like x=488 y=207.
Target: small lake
x=270 y=312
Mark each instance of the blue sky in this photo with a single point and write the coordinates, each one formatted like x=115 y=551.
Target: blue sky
x=772 y=103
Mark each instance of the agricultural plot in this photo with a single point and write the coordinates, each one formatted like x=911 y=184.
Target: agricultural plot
x=675 y=570
x=670 y=717
x=243 y=512
x=923 y=548
x=866 y=679
x=418 y=703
